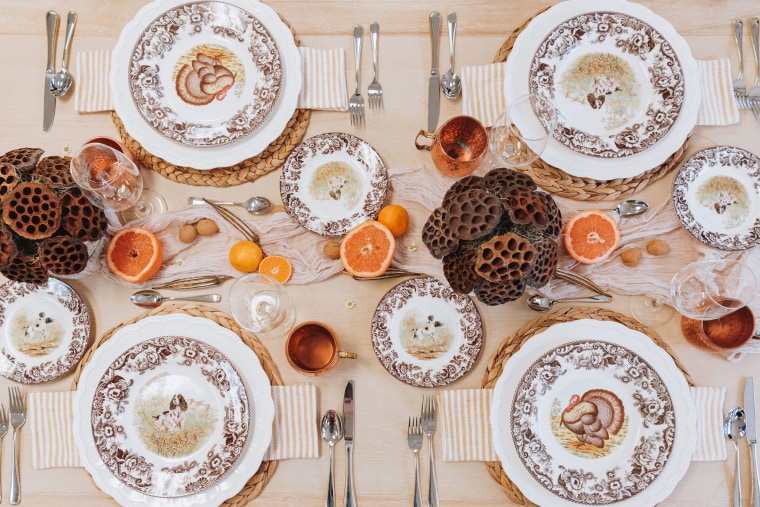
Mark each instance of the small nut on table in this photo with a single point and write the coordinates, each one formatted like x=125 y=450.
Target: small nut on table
x=187 y=233
x=631 y=257
x=657 y=247
x=206 y=227
x=332 y=249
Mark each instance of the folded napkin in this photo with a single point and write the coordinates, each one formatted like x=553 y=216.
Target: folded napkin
x=51 y=419
x=483 y=92
x=466 y=430
x=324 y=85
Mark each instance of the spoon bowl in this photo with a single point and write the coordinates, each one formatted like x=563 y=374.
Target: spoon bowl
x=735 y=427
x=61 y=81
x=451 y=83
x=630 y=208
x=256 y=205
x=542 y=303
x=331 y=430
x=153 y=299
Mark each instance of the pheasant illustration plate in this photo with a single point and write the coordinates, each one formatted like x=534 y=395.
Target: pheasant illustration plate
x=45 y=330
x=593 y=413
x=426 y=334
x=333 y=182
x=174 y=411
x=199 y=82
x=716 y=195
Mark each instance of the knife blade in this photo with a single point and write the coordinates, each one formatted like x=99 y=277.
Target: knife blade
x=52 y=21
x=348 y=438
x=749 y=412
x=434 y=83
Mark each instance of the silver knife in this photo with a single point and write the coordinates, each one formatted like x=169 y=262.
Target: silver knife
x=52 y=20
x=749 y=411
x=434 y=84
x=348 y=437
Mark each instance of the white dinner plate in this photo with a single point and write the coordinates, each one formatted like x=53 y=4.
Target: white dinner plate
x=594 y=373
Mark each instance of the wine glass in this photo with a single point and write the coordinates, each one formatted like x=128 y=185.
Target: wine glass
x=522 y=131
x=707 y=290
x=261 y=304
x=651 y=310
x=111 y=180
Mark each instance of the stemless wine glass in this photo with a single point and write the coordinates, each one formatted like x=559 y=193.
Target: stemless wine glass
x=706 y=290
x=521 y=132
x=261 y=304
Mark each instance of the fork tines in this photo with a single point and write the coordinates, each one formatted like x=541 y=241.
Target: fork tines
x=356 y=101
x=374 y=91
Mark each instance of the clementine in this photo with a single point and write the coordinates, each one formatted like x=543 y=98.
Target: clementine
x=245 y=256
x=591 y=236
x=394 y=217
x=367 y=250
x=134 y=254
x=276 y=266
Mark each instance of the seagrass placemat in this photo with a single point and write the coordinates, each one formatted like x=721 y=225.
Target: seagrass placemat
x=512 y=344
x=273 y=157
x=256 y=483
x=558 y=182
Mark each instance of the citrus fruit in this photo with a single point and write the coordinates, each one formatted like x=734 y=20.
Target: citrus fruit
x=394 y=217
x=591 y=236
x=276 y=266
x=134 y=254
x=245 y=256
x=367 y=250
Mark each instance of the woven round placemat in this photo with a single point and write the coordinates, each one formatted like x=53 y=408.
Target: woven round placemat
x=558 y=182
x=256 y=483
x=512 y=344
x=273 y=157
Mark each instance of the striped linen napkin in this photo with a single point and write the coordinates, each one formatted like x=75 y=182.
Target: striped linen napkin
x=51 y=418
x=324 y=87
x=483 y=92
x=466 y=430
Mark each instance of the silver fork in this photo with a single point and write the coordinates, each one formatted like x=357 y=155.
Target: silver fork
x=753 y=95
x=356 y=102
x=740 y=89
x=18 y=418
x=374 y=91
x=414 y=439
x=428 y=426
x=3 y=432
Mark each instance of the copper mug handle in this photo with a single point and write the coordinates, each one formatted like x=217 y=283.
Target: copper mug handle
x=430 y=135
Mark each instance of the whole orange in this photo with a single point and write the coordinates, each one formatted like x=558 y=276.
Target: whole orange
x=394 y=217
x=245 y=256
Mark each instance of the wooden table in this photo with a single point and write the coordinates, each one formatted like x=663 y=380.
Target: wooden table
x=384 y=464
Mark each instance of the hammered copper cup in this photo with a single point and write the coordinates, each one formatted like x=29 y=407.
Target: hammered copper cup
x=720 y=335
x=458 y=146
x=313 y=348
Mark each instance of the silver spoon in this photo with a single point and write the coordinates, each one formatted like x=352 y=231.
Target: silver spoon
x=256 y=205
x=542 y=303
x=152 y=299
x=630 y=208
x=451 y=84
x=61 y=81
x=331 y=430
x=734 y=428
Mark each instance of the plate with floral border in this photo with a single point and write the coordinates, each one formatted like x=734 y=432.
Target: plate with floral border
x=205 y=83
x=45 y=330
x=591 y=412
x=425 y=333
x=173 y=411
x=716 y=195
x=333 y=182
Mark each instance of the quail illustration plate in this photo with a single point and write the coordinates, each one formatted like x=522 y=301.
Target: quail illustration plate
x=173 y=410
x=593 y=413
x=333 y=182
x=716 y=195
x=426 y=334
x=45 y=330
x=205 y=83
x=624 y=82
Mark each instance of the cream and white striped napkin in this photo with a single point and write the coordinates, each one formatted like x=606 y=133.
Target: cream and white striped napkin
x=466 y=430
x=294 y=431
x=483 y=92
x=324 y=80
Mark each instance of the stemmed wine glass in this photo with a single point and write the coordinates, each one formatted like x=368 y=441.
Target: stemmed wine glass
x=521 y=132
x=261 y=304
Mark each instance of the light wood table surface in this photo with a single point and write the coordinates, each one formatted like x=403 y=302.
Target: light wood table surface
x=384 y=465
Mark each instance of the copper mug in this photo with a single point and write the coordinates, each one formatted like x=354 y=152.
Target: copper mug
x=459 y=145
x=313 y=348
x=720 y=335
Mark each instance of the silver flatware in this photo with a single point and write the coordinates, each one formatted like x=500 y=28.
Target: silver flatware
x=414 y=441
x=152 y=299
x=753 y=95
x=18 y=418
x=61 y=82
x=256 y=205
x=542 y=303
x=193 y=282
x=451 y=83
x=356 y=101
x=735 y=427
x=739 y=87
x=581 y=280
x=348 y=437
x=235 y=221
x=52 y=20
x=3 y=432
x=331 y=430
x=434 y=87
x=749 y=412
x=389 y=273
x=375 y=90
x=429 y=423
x=630 y=208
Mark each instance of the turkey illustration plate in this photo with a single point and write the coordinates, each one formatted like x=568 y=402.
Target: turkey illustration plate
x=426 y=334
x=173 y=411
x=716 y=195
x=594 y=413
x=205 y=83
